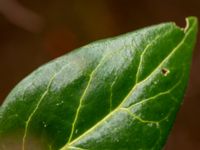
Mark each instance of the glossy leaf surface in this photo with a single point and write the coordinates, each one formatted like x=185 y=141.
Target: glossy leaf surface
x=121 y=93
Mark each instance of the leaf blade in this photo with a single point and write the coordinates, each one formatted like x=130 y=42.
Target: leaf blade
x=105 y=78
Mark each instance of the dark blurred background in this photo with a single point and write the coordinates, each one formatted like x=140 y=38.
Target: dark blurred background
x=35 y=31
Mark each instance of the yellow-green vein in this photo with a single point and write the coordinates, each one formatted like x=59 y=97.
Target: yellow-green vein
x=85 y=91
x=34 y=111
x=157 y=95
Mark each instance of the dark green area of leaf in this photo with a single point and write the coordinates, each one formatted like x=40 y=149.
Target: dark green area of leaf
x=121 y=93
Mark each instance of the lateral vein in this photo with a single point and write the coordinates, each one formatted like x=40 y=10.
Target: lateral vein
x=38 y=104
x=141 y=57
x=138 y=118
x=85 y=91
x=34 y=111
x=157 y=95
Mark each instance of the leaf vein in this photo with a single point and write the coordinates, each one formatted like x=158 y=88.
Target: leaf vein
x=38 y=104
x=137 y=117
x=157 y=95
x=34 y=111
x=86 y=89
x=111 y=94
x=141 y=57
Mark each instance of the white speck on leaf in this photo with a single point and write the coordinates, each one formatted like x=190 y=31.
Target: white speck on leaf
x=45 y=125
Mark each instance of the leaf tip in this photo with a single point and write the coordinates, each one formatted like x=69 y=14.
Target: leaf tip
x=191 y=22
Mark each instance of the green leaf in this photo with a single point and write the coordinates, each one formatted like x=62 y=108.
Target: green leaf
x=121 y=93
